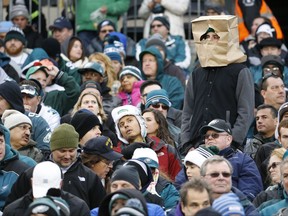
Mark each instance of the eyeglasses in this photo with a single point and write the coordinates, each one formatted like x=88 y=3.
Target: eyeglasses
x=107 y=162
x=217 y=174
x=157 y=106
x=106 y=30
x=214 y=135
x=273 y=165
x=271 y=70
x=156 y=25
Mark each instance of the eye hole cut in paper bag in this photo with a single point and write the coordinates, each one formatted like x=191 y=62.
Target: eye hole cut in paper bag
x=223 y=52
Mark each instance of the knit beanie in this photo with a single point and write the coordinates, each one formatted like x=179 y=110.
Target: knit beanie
x=156 y=40
x=132 y=70
x=105 y=23
x=157 y=96
x=128 y=110
x=90 y=84
x=117 y=46
x=15 y=33
x=83 y=121
x=266 y=28
x=143 y=170
x=19 y=10
x=207 y=211
x=163 y=20
x=64 y=136
x=127 y=173
x=198 y=156
x=147 y=155
x=114 y=56
x=11 y=92
x=52 y=47
x=13 y=118
x=228 y=204
x=120 y=37
x=133 y=207
x=114 y=198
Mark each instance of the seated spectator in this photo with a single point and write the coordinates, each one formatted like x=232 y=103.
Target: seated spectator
x=178 y=50
x=92 y=71
x=31 y=91
x=4 y=28
x=151 y=64
x=131 y=79
x=20 y=127
x=132 y=133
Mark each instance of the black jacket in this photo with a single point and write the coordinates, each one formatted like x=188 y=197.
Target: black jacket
x=77 y=206
x=78 y=180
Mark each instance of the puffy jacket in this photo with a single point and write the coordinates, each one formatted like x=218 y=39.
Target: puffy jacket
x=246 y=176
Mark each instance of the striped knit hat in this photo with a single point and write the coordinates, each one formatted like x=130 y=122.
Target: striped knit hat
x=199 y=155
x=132 y=70
x=157 y=96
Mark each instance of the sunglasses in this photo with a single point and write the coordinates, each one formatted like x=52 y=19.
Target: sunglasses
x=273 y=165
x=214 y=135
x=217 y=174
x=157 y=106
x=157 y=25
x=106 y=30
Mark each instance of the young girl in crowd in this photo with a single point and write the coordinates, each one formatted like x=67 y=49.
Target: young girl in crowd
x=75 y=52
x=131 y=80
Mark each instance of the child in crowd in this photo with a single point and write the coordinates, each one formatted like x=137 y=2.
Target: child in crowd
x=131 y=80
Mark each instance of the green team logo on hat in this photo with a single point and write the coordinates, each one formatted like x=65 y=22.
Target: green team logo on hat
x=122 y=110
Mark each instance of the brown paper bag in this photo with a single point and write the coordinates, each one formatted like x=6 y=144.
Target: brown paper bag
x=223 y=52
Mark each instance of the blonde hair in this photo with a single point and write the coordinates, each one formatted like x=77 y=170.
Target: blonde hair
x=77 y=105
x=110 y=74
x=278 y=152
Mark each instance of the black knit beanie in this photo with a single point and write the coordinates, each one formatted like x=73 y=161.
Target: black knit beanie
x=127 y=173
x=83 y=121
x=52 y=47
x=163 y=20
x=11 y=92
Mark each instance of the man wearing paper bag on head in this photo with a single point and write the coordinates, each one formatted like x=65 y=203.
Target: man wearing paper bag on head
x=221 y=86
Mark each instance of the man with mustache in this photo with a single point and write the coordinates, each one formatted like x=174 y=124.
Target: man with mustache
x=20 y=127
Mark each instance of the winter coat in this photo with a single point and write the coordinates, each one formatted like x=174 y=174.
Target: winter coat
x=273 y=209
x=173 y=10
x=30 y=150
x=246 y=176
x=77 y=206
x=169 y=160
x=50 y=115
x=78 y=180
x=135 y=95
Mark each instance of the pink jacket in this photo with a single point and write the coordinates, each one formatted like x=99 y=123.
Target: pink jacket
x=135 y=94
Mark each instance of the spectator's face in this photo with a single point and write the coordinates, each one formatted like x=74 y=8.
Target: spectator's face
x=94 y=132
x=102 y=168
x=20 y=21
x=270 y=50
x=283 y=137
x=90 y=102
x=130 y=129
x=256 y=22
x=274 y=169
x=212 y=36
x=92 y=75
x=127 y=82
x=120 y=184
x=117 y=204
x=149 y=66
x=104 y=31
x=275 y=94
x=196 y=201
x=4 y=105
x=31 y=102
x=265 y=122
x=161 y=107
x=41 y=77
x=219 y=184
x=192 y=170
x=271 y=68
x=20 y=135
x=2 y=147
x=284 y=176
x=158 y=27
x=152 y=125
x=64 y=157
x=62 y=34
x=14 y=47
x=220 y=139
x=76 y=51
x=117 y=66
x=148 y=89
x=262 y=35
x=94 y=91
